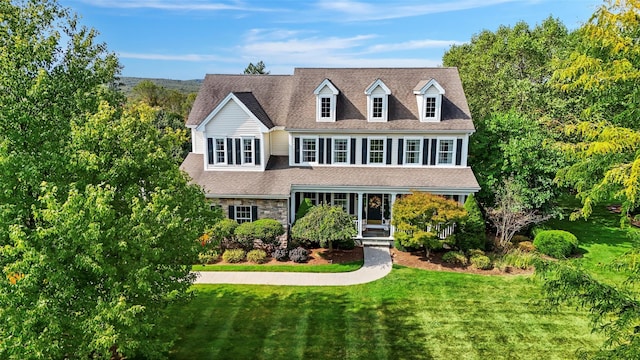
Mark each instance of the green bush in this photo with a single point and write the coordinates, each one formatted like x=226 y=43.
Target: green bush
x=304 y=208
x=526 y=246
x=347 y=244
x=208 y=257
x=535 y=230
x=455 y=257
x=556 y=243
x=475 y=252
x=471 y=233
x=481 y=262
x=257 y=256
x=233 y=255
x=517 y=259
x=222 y=233
x=267 y=230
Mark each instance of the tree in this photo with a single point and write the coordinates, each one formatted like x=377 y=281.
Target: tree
x=420 y=217
x=511 y=214
x=325 y=224
x=471 y=232
x=257 y=69
x=98 y=225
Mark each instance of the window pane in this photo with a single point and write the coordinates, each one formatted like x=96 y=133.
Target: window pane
x=340 y=199
x=430 y=107
x=247 y=149
x=325 y=107
x=340 y=147
x=412 y=152
x=308 y=150
x=377 y=107
x=220 y=153
x=243 y=214
x=445 y=152
x=376 y=151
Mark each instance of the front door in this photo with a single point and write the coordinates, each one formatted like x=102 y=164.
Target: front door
x=374 y=209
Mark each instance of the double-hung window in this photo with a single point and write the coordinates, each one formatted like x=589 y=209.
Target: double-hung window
x=220 y=155
x=376 y=151
x=412 y=151
x=247 y=151
x=429 y=107
x=325 y=107
x=309 y=147
x=340 y=199
x=242 y=214
x=340 y=151
x=445 y=151
x=376 y=112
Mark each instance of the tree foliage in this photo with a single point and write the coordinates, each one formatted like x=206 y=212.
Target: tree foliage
x=98 y=226
x=325 y=224
x=471 y=232
x=257 y=69
x=420 y=217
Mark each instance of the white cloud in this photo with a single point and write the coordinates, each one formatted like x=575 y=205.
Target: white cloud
x=360 y=11
x=264 y=44
x=190 y=5
x=167 y=57
x=412 y=45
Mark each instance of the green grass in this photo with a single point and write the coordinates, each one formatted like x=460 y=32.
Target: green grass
x=325 y=268
x=410 y=314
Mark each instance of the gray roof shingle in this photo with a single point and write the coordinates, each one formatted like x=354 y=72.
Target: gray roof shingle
x=288 y=100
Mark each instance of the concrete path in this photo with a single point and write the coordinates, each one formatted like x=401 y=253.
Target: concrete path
x=377 y=264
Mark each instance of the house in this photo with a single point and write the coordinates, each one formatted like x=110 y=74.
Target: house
x=355 y=137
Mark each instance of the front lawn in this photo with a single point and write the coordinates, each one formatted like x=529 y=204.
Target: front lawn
x=324 y=268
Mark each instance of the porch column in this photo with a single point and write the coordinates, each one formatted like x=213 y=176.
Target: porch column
x=359 y=215
x=292 y=205
x=392 y=228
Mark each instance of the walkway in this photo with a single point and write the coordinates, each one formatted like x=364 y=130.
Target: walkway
x=377 y=264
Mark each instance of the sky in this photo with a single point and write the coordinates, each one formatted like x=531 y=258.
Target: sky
x=186 y=39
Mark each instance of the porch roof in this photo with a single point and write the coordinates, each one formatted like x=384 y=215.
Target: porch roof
x=279 y=178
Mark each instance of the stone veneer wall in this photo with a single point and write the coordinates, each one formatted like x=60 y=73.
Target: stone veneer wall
x=267 y=208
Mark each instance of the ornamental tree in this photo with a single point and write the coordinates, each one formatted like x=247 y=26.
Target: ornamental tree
x=420 y=217
x=98 y=226
x=325 y=224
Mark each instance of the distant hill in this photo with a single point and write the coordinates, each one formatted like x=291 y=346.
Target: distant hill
x=183 y=86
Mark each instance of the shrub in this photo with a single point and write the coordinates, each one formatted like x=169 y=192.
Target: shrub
x=516 y=239
x=535 y=230
x=257 y=256
x=481 y=262
x=556 y=243
x=517 y=259
x=233 y=255
x=280 y=254
x=304 y=208
x=347 y=244
x=526 y=246
x=471 y=231
x=208 y=257
x=267 y=230
x=299 y=255
x=475 y=252
x=455 y=257
x=222 y=233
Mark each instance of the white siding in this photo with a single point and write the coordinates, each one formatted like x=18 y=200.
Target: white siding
x=197 y=142
x=378 y=91
x=326 y=91
x=265 y=144
x=279 y=143
x=232 y=120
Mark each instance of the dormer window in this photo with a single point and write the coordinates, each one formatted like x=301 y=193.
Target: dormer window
x=429 y=97
x=326 y=99
x=377 y=101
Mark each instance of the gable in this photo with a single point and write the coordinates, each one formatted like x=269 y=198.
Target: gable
x=232 y=118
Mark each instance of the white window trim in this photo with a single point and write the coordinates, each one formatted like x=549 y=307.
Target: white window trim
x=436 y=114
x=346 y=208
x=385 y=108
x=302 y=139
x=332 y=107
x=384 y=150
x=224 y=151
x=420 y=151
x=453 y=152
x=333 y=96
x=333 y=155
x=253 y=150
x=236 y=211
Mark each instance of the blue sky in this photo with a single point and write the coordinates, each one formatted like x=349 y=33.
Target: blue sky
x=186 y=39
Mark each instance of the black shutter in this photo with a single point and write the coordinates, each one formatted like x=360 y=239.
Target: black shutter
x=352 y=203
x=353 y=151
x=229 y=151
x=257 y=152
x=254 y=213
x=328 y=150
x=232 y=213
x=321 y=151
x=425 y=152
x=210 y=149
x=400 y=150
x=459 y=152
x=238 y=152
x=297 y=201
x=434 y=150
x=389 y=145
x=364 y=151
x=296 y=150
x=456 y=198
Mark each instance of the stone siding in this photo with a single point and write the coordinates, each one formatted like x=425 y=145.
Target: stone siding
x=267 y=208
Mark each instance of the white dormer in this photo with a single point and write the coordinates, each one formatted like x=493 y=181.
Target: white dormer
x=377 y=101
x=326 y=99
x=429 y=97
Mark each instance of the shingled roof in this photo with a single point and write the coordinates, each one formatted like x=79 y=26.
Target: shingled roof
x=288 y=100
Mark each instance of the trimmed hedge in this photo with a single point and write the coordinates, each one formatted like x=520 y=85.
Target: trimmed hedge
x=556 y=243
x=481 y=262
x=265 y=230
x=257 y=256
x=233 y=255
x=208 y=257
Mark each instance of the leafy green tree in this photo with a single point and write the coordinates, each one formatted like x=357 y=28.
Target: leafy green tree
x=325 y=224
x=471 y=232
x=420 y=217
x=98 y=226
x=257 y=69
x=149 y=93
